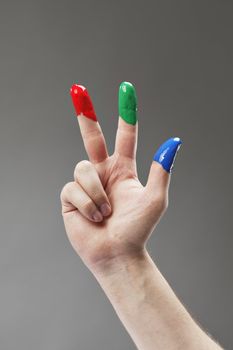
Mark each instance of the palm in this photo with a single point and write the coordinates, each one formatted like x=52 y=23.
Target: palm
x=130 y=223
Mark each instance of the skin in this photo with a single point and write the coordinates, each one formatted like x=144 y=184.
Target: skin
x=109 y=216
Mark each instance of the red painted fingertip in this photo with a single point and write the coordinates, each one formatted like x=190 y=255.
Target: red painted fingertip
x=82 y=102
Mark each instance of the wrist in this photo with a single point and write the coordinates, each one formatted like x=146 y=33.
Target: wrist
x=122 y=262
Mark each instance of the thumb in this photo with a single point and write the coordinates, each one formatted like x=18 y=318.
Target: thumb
x=162 y=165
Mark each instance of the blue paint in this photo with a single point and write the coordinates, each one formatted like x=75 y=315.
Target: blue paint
x=167 y=152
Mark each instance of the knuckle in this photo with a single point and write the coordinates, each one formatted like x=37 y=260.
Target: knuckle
x=165 y=203
x=87 y=206
x=160 y=201
x=98 y=196
x=96 y=132
x=82 y=167
x=66 y=190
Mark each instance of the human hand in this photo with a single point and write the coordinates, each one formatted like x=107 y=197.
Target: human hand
x=108 y=214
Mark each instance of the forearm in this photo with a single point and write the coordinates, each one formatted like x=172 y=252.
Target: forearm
x=148 y=308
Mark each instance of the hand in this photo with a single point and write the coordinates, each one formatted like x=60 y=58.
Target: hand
x=108 y=213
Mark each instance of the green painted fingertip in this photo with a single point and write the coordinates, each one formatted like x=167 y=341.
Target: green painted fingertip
x=128 y=103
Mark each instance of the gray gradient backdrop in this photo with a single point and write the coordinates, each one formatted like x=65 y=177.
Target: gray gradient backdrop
x=179 y=55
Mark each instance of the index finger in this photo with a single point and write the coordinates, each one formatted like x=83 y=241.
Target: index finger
x=91 y=132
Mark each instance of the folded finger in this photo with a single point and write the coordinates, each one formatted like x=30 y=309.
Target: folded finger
x=85 y=174
x=73 y=197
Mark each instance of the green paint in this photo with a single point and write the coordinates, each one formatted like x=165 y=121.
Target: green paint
x=128 y=103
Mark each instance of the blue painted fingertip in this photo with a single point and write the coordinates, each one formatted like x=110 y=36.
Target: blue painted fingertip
x=166 y=153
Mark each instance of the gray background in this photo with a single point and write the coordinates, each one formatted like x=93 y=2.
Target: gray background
x=179 y=55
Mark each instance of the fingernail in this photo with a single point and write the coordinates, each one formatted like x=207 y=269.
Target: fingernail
x=166 y=153
x=97 y=216
x=82 y=102
x=128 y=103
x=105 y=209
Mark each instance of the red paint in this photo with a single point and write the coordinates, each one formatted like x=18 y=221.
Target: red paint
x=82 y=102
